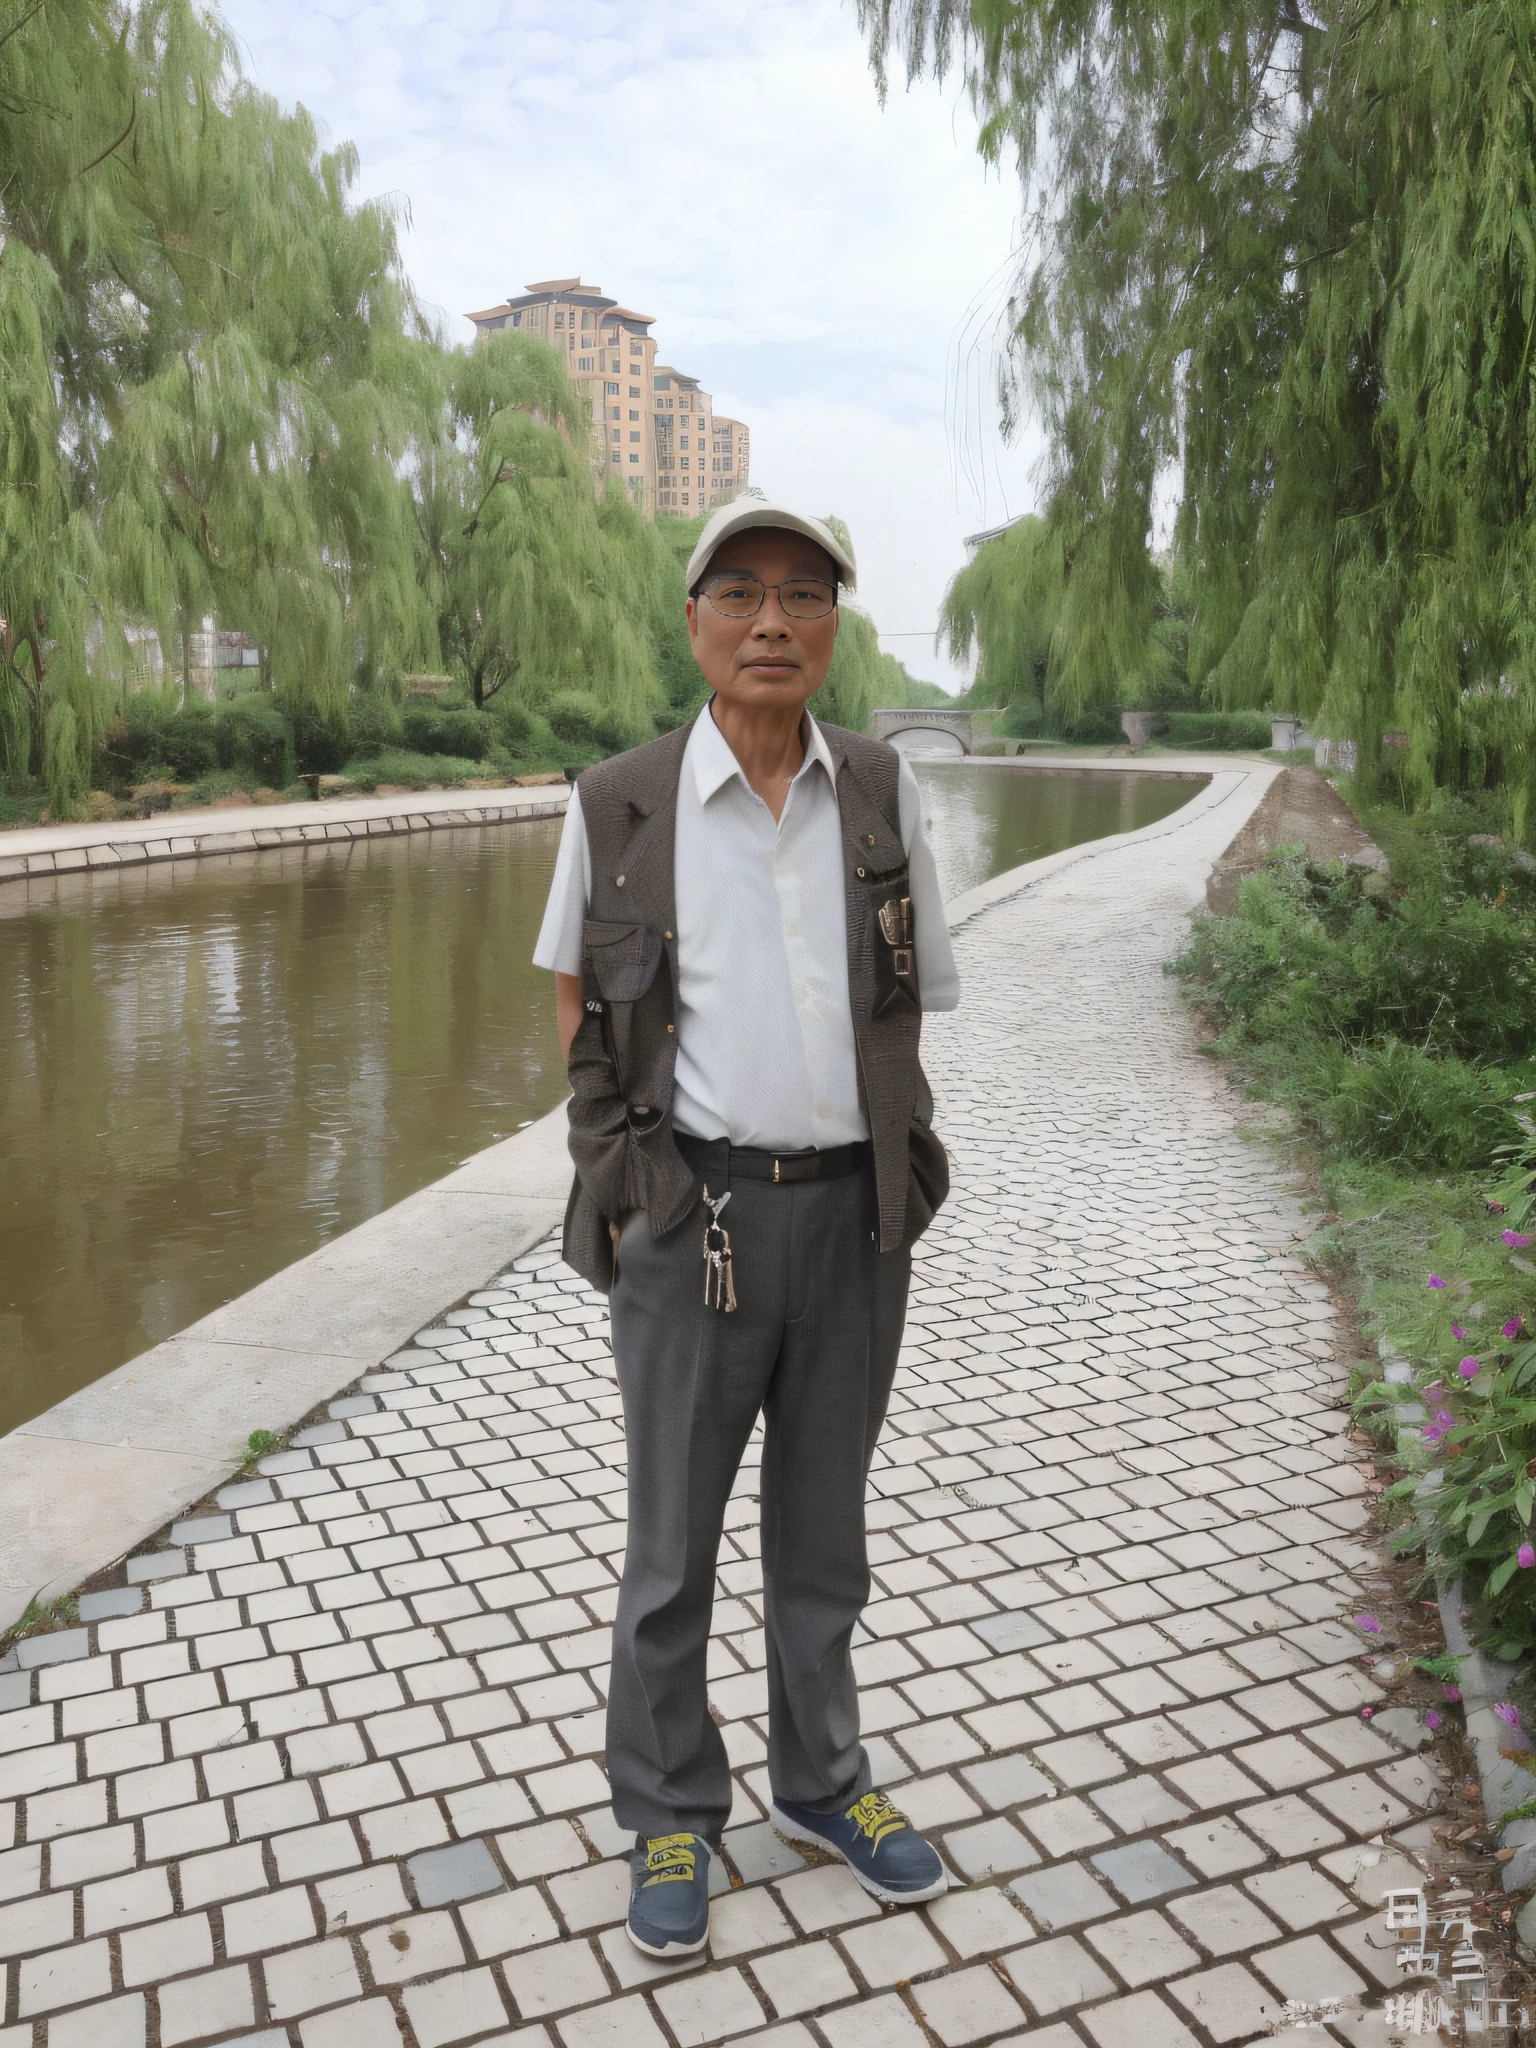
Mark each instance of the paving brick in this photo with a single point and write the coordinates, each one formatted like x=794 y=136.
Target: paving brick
x=368 y=2023
x=1216 y=1847
x=1057 y=1976
x=507 y=1921
x=170 y=1948
x=197 y=2008
x=1298 y=1895
x=1143 y=2019
x=1223 y=1921
x=875 y=2023
x=968 y=2005
x=455 y=2007
x=115 y=2023
x=274 y=1920
x=1143 y=1948
x=1309 y=1970
x=1063 y=1896
x=550 y=1980
x=1229 y=2002
x=825 y=1898
x=890 y=1949
x=305 y=1978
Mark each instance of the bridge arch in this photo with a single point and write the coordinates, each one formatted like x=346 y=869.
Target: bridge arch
x=922 y=730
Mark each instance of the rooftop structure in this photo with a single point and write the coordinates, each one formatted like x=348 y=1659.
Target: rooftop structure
x=654 y=426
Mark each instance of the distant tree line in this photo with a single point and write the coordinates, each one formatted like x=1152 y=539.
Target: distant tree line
x=1280 y=261
x=219 y=398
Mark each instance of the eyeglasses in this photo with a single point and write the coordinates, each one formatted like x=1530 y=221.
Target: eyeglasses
x=738 y=597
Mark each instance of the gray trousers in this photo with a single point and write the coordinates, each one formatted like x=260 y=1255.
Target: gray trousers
x=812 y=1347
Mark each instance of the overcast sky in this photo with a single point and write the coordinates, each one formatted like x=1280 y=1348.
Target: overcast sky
x=832 y=271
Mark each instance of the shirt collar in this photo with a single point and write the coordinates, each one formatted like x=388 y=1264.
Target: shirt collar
x=714 y=764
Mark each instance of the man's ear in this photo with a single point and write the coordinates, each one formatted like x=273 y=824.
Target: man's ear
x=692 y=615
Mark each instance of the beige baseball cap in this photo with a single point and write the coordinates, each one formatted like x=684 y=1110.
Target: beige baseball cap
x=746 y=512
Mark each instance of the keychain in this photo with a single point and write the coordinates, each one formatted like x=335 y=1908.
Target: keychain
x=719 y=1287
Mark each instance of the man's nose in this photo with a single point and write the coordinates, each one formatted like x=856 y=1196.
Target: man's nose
x=772 y=617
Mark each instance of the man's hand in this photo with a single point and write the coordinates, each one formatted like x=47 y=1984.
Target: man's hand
x=615 y=1231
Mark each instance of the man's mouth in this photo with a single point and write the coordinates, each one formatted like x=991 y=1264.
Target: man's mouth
x=767 y=666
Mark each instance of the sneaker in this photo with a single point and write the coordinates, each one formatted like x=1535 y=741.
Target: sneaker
x=877 y=1842
x=669 y=1902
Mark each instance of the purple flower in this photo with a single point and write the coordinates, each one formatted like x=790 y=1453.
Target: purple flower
x=1509 y=1715
x=1431 y=1720
x=1436 y=1281
x=1525 y=1557
x=1511 y=1328
x=1515 y=1239
x=1366 y=1713
x=1433 y=1432
x=1469 y=1368
x=1369 y=1623
x=1452 y=1692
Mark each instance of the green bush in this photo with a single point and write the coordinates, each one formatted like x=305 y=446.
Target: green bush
x=442 y=729
x=373 y=725
x=155 y=732
x=583 y=720
x=252 y=736
x=319 y=742
x=412 y=771
x=1394 y=1102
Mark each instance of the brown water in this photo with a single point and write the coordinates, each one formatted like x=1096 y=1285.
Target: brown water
x=208 y=1068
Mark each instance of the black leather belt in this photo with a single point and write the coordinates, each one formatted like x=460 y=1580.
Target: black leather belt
x=719 y=1162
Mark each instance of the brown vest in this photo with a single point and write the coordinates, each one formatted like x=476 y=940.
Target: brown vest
x=625 y=1049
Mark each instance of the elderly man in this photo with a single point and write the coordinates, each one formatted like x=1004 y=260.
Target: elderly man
x=745 y=926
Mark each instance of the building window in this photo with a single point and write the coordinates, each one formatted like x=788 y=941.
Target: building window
x=517 y=319
x=613 y=412
x=583 y=362
x=614 y=434
x=633 y=414
x=559 y=319
x=633 y=436
x=634 y=458
x=616 y=456
x=586 y=319
x=682 y=462
x=610 y=390
x=637 y=348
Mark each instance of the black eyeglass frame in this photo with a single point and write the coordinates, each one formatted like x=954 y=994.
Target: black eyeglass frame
x=701 y=589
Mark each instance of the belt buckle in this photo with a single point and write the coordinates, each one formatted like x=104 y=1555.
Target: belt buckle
x=775 y=1172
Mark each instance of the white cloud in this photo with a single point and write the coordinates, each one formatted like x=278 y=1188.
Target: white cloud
x=834 y=272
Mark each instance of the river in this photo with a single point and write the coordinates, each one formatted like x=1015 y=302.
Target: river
x=208 y=1068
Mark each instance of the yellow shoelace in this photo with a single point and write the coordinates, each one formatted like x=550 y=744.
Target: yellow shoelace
x=669 y=1859
x=874 y=1816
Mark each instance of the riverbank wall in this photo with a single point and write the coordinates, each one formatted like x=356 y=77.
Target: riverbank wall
x=87 y=1480
x=39 y=851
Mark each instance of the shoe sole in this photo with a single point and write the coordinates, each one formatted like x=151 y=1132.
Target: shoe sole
x=668 y=1951
x=792 y=1831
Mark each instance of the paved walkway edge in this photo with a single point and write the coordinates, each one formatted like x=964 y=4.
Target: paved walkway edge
x=45 y=850
x=85 y=1481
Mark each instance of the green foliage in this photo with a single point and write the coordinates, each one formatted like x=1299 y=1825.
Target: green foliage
x=435 y=729
x=1397 y=1023
x=252 y=737
x=1285 y=259
x=411 y=771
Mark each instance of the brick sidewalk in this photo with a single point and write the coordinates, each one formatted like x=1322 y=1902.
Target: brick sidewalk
x=327 y=1773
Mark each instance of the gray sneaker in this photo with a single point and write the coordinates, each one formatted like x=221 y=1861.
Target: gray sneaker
x=669 y=1902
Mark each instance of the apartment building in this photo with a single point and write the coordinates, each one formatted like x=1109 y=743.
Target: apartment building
x=702 y=457
x=653 y=426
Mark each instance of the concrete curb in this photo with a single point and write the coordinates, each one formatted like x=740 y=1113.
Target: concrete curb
x=87 y=1480
x=45 y=850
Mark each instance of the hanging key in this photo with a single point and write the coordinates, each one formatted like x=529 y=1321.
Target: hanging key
x=719 y=1285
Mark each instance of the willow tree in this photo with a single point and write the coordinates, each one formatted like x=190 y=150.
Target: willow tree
x=207 y=382
x=541 y=588
x=1282 y=256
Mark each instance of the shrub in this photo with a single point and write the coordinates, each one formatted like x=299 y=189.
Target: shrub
x=319 y=742
x=153 y=731
x=252 y=736
x=411 y=771
x=582 y=720
x=444 y=729
x=373 y=725
x=1394 y=1102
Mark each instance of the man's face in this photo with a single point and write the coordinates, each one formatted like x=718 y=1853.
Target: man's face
x=772 y=656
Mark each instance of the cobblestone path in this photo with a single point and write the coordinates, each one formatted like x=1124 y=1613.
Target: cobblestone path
x=326 y=1774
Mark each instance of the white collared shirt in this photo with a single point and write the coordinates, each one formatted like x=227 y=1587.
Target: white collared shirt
x=765 y=1047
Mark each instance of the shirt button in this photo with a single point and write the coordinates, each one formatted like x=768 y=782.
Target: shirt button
x=672 y=1028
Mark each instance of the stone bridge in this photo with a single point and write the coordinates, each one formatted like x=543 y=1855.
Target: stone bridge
x=923 y=731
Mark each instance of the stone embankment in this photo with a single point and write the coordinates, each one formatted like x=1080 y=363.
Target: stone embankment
x=321 y=1767
x=40 y=850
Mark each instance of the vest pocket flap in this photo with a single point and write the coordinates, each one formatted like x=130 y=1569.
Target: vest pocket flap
x=622 y=958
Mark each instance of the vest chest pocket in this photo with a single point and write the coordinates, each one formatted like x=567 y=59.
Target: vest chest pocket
x=619 y=960
x=895 y=944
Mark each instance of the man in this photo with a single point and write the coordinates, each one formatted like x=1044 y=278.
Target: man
x=745 y=924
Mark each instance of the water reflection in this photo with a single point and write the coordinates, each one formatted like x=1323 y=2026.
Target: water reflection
x=207 y=1068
